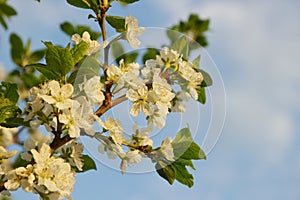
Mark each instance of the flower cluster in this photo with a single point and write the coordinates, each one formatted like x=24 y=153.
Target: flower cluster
x=54 y=106
x=50 y=177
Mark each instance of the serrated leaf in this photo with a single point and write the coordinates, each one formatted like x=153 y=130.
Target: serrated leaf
x=182 y=175
x=165 y=171
x=185 y=148
x=79 y=51
x=207 y=80
x=88 y=163
x=49 y=73
x=201 y=95
x=116 y=22
x=59 y=59
x=182 y=47
x=127 y=1
x=185 y=162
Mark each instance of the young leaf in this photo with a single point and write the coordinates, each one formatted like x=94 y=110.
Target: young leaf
x=201 y=95
x=207 y=80
x=88 y=163
x=79 y=51
x=49 y=73
x=196 y=62
x=9 y=91
x=7 y=10
x=116 y=22
x=15 y=122
x=17 y=49
x=150 y=54
x=80 y=3
x=165 y=171
x=68 y=28
x=181 y=46
x=59 y=59
x=36 y=56
x=182 y=175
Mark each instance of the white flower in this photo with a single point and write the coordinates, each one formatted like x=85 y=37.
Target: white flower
x=115 y=129
x=167 y=149
x=60 y=96
x=139 y=99
x=150 y=70
x=132 y=31
x=157 y=116
x=130 y=157
x=6 y=136
x=53 y=173
x=178 y=105
x=93 y=44
x=169 y=58
x=114 y=73
x=80 y=115
x=140 y=136
x=193 y=78
x=93 y=90
x=72 y=152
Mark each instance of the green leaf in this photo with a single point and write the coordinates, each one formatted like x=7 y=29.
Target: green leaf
x=3 y=23
x=88 y=68
x=117 y=50
x=10 y=91
x=7 y=112
x=59 y=59
x=129 y=57
x=79 y=51
x=19 y=162
x=150 y=54
x=80 y=3
x=182 y=175
x=127 y=1
x=165 y=171
x=207 y=80
x=7 y=10
x=196 y=62
x=88 y=163
x=181 y=46
x=201 y=95
x=68 y=28
x=15 y=122
x=116 y=22
x=184 y=147
x=49 y=73
x=17 y=49
x=185 y=162
x=36 y=56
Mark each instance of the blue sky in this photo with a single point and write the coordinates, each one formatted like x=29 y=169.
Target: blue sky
x=255 y=45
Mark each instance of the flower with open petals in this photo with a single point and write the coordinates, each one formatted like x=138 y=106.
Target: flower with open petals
x=132 y=31
x=60 y=96
x=140 y=100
